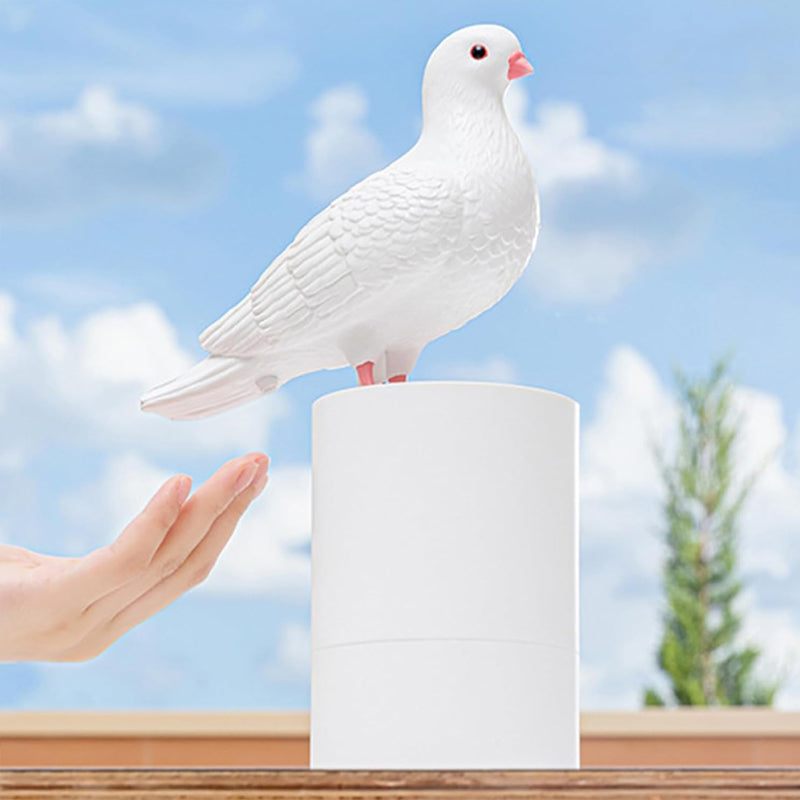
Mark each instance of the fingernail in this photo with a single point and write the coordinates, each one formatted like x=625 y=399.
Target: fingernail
x=182 y=488
x=259 y=484
x=245 y=477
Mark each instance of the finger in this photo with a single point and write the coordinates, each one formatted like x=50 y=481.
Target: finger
x=195 y=519
x=107 y=568
x=200 y=513
x=192 y=572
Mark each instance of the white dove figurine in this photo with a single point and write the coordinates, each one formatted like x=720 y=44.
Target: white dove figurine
x=403 y=257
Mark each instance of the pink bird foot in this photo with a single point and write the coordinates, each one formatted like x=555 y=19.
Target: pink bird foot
x=398 y=379
x=366 y=373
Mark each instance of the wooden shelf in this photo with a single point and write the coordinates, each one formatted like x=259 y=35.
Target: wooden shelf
x=651 y=738
x=724 y=722
x=321 y=785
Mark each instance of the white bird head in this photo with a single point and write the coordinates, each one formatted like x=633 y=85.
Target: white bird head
x=474 y=64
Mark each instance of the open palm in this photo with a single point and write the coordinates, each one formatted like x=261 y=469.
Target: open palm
x=71 y=609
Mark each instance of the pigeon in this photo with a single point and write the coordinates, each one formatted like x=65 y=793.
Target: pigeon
x=405 y=256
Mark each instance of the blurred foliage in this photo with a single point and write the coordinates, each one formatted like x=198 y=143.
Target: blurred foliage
x=699 y=653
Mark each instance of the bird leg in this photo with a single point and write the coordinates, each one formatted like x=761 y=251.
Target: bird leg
x=366 y=373
x=399 y=362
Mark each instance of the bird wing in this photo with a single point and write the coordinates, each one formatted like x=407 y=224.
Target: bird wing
x=392 y=222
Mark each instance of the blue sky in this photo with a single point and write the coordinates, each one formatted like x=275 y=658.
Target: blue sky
x=155 y=157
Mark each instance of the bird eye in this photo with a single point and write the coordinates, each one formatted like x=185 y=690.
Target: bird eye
x=478 y=52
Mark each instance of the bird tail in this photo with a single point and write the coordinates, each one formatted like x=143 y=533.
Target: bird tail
x=213 y=385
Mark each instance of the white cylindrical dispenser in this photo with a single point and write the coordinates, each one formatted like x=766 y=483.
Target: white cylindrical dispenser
x=444 y=578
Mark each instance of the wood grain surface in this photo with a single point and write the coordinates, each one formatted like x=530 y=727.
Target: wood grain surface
x=322 y=785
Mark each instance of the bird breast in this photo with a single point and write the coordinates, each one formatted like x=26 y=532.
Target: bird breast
x=501 y=216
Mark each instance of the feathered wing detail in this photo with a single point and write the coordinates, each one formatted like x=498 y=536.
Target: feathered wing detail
x=234 y=333
x=392 y=223
x=215 y=384
x=389 y=223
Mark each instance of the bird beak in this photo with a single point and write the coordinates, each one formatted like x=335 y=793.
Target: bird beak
x=518 y=65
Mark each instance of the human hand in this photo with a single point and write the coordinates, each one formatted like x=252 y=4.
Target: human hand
x=72 y=609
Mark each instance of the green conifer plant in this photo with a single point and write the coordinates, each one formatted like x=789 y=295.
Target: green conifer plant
x=699 y=652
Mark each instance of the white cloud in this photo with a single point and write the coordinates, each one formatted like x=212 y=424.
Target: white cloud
x=7 y=334
x=80 y=387
x=621 y=554
x=340 y=148
x=736 y=125
x=99 y=117
x=781 y=658
x=270 y=552
x=292 y=660
x=603 y=218
x=621 y=529
x=68 y=390
x=633 y=410
x=591 y=267
x=100 y=153
x=559 y=146
x=98 y=511
x=771 y=518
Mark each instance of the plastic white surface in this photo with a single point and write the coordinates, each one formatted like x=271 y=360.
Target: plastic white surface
x=444 y=578
x=444 y=705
